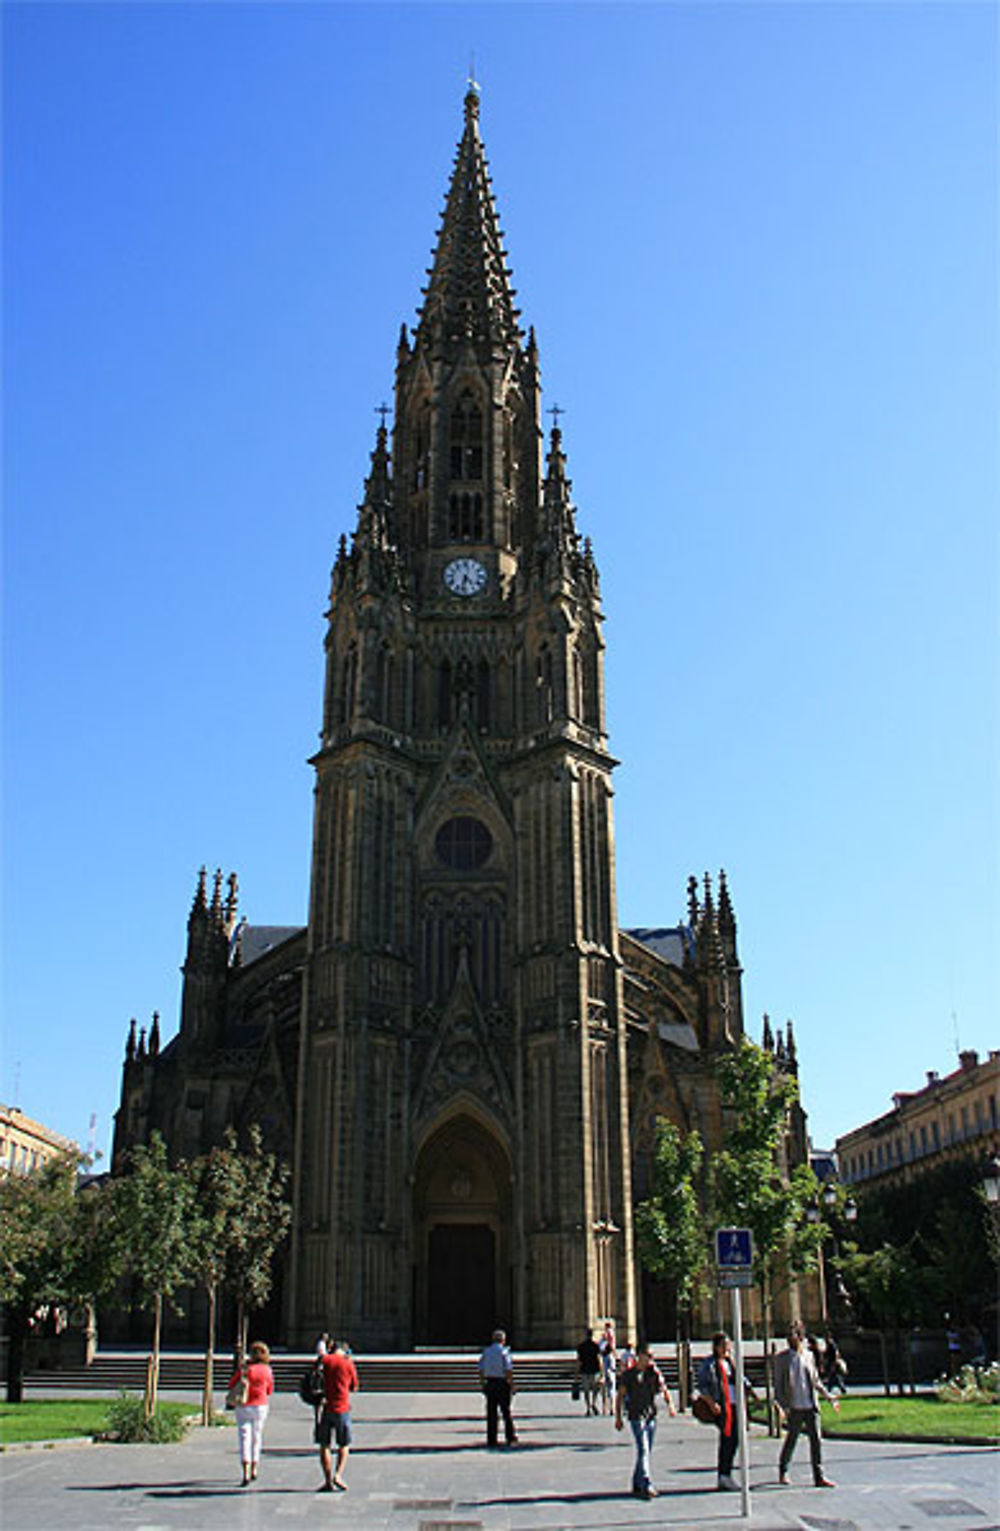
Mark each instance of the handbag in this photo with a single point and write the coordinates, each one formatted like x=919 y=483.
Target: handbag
x=701 y=1408
x=574 y=1392
x=239 y=1391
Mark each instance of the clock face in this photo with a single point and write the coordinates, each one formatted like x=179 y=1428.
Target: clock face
x=465 y=576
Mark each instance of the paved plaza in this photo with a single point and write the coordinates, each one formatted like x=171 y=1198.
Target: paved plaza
x=420 y=1464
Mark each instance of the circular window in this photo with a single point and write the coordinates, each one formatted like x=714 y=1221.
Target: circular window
x=463 y=844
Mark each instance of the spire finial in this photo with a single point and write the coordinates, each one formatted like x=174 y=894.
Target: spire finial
x=472 y=93
x=200 y=903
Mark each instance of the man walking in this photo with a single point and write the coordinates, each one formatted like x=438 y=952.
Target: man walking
x=636 y=1395
x=797 y=1389
x=340 y=1380
x=588 y=1365
x=496 y=1371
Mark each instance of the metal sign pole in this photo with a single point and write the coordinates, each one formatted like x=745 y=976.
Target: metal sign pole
x=741 y=1407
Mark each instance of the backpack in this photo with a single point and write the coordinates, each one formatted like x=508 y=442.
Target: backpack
x=311 y=1386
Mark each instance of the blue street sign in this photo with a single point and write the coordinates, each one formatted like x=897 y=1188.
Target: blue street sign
x=733 y=1249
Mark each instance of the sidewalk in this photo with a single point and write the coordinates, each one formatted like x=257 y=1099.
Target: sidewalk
x=420 y=1464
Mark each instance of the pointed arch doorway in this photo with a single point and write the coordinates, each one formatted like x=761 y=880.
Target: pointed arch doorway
x=462 y=1218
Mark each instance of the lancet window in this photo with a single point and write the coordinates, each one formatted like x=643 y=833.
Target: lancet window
x=467 y=438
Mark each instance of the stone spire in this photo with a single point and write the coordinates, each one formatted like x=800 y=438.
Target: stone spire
x=558 y=533
x=469 y=296
x=727 y=919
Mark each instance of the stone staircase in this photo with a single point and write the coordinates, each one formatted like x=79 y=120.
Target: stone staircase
x=429 y=1372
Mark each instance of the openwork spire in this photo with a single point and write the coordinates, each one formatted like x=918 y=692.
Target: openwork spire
x=469 y=296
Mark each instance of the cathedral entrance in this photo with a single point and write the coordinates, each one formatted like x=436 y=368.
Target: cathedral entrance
x=462 y=1275
x=461 y=1283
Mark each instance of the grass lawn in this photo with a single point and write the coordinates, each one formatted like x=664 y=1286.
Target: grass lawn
x=53 y=1419
x=924 y=1415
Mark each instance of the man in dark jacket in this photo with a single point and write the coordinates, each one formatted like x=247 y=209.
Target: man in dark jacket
x=637 y=1393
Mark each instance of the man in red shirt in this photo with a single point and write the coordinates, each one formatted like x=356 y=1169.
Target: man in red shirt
x=340 y=1379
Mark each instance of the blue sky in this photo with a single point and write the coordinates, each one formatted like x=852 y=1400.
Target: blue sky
x=759 y=248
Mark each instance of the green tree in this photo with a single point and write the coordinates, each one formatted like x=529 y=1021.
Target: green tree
x=888 y=1281
x=937 y=1214
x=671 y=1236
x=154 y=1208
x=56 y=1248
x=264 y=1219
x=219 y=1179
x=750 y=1188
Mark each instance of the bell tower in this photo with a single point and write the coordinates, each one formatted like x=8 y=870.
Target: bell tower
x=463 y=1123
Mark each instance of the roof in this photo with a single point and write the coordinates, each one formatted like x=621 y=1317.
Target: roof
x=14 y=1118
x=667 y=941
x=257 y=940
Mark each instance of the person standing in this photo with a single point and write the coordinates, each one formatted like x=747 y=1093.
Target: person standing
x=340 y=1380
x=251 y=1415
x=496 y=1372
x=638 y=1390
x=797 y=1390
x=717 y=1383
x=588 y=1366
x=609 y=1365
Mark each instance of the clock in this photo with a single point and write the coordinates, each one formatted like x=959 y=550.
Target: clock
x=465 y=576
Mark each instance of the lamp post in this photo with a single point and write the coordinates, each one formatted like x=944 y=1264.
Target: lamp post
x=813 y=1216
x=834 y=1212
x=991 y=1196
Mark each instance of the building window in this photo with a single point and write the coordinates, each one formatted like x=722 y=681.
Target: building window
x=467 y=438
x=463 y=844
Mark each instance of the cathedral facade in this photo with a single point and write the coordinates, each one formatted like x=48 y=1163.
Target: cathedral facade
x=461 y=1056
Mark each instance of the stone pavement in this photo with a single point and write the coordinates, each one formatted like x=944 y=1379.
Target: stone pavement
x=420 y=1464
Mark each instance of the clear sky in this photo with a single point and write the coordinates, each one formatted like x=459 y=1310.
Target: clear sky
x=759 y=247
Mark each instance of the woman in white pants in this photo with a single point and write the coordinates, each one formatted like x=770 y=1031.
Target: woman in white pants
x=252 y=1415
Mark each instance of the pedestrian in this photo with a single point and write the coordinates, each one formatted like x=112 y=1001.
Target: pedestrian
x=797 y=1390
x=609 y=1363
x=627 y=1357
x=953 y=1341
x=717 y=1383
x=340 y=1380
x=251 y=1413
x=638 y=1390
x=322 y=1345
x=834 y=1366
x=588 y=1368
x=496 y=1372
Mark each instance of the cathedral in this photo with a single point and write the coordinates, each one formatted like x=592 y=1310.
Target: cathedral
x=461 y=1056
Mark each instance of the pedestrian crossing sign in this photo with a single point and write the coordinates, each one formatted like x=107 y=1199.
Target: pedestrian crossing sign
x=733 y=1249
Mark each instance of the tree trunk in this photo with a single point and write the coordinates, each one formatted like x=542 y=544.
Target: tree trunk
x=154 y=1370
x=773 y=1427
x=886 y=1382
x=684 y=1359
x=242 y=1328
x=206 y=1402
x=17 y=1333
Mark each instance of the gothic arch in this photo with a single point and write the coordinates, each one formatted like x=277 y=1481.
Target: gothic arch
x=462 y=1223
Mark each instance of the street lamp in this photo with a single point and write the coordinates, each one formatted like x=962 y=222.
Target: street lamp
x=991 y=1181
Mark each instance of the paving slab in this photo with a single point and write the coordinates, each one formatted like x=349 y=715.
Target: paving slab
x=420 y=1463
